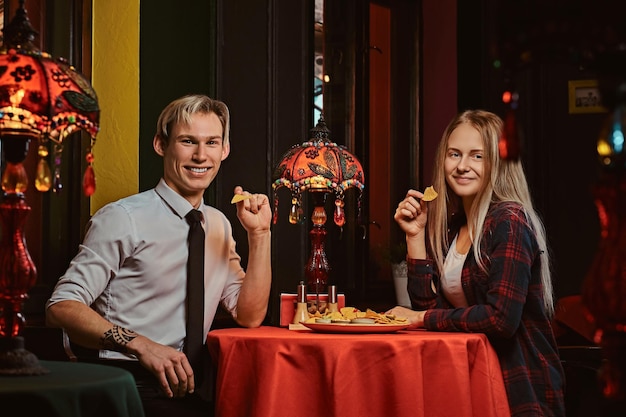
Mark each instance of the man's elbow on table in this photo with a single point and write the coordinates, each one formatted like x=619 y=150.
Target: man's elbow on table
x=252 y=319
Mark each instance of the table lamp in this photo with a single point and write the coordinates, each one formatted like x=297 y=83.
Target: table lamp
x=46 y=100
x=319 y=167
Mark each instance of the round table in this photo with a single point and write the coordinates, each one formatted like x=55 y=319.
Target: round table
x=72 y=389
x=270 y=371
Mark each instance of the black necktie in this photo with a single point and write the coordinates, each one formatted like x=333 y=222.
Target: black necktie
x=194 y=345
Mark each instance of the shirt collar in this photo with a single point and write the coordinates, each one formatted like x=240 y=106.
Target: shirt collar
x=175 y=201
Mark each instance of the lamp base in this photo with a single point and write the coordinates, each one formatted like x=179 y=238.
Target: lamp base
x=15 y=360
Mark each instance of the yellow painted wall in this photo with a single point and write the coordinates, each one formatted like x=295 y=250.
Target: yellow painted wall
x=115 y=77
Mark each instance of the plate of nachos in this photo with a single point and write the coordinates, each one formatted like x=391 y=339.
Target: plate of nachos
x=352 y=320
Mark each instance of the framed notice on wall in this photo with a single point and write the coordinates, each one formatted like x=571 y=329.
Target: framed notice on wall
x=584 y=97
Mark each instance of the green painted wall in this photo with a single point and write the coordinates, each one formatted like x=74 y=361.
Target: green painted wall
x=176 y=54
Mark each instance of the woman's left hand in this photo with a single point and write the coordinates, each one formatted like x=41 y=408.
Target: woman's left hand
x=416 y=318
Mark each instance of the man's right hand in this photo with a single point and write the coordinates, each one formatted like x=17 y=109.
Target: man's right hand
x=170 y=366
x=89 y=329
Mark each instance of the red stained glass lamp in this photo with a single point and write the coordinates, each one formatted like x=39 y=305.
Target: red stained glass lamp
x=321 y=168
x=45 y=100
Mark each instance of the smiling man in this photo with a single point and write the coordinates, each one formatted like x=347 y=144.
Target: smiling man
x=124 y=294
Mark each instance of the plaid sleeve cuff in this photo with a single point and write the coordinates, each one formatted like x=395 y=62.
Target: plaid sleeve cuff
x=420 y=266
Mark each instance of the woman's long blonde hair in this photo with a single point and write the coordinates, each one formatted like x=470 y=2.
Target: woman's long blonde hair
x=506 y=182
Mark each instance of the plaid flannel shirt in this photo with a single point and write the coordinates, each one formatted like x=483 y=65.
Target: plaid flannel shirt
x=506 y=304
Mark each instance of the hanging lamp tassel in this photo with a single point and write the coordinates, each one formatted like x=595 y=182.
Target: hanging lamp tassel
x=89 y=179
x=43 y=179
x=57 y=185
x=339 y=216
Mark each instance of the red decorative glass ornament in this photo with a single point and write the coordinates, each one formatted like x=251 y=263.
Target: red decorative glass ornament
x=339 y=216
x=89 y=181
x=19 y=273
x=318 y=267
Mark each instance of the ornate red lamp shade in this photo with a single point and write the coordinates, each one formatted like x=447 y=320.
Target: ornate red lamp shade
x=46 y=100
x=321 y=168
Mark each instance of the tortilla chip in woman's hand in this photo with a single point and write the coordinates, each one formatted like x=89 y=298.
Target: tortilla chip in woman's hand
x=429 y=194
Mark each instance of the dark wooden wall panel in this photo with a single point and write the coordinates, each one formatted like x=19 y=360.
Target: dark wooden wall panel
x=176 y=51
x=265 y=67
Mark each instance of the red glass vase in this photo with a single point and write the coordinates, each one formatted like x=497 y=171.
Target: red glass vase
x=317 y=267
x=17 y=270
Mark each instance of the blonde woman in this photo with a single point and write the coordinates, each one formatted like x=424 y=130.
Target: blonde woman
x=482 y=263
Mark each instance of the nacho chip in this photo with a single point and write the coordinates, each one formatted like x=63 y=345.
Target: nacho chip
x=369 y=313
x=240 y=197
x=335 y=315
x=429 y=194
x=348 y=312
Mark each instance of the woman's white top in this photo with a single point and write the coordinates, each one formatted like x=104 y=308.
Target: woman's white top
x=451 y=277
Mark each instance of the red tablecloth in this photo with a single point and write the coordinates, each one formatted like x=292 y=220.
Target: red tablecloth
x=276 y=372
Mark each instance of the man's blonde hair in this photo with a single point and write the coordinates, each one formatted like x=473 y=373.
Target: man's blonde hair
x=181 y=110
